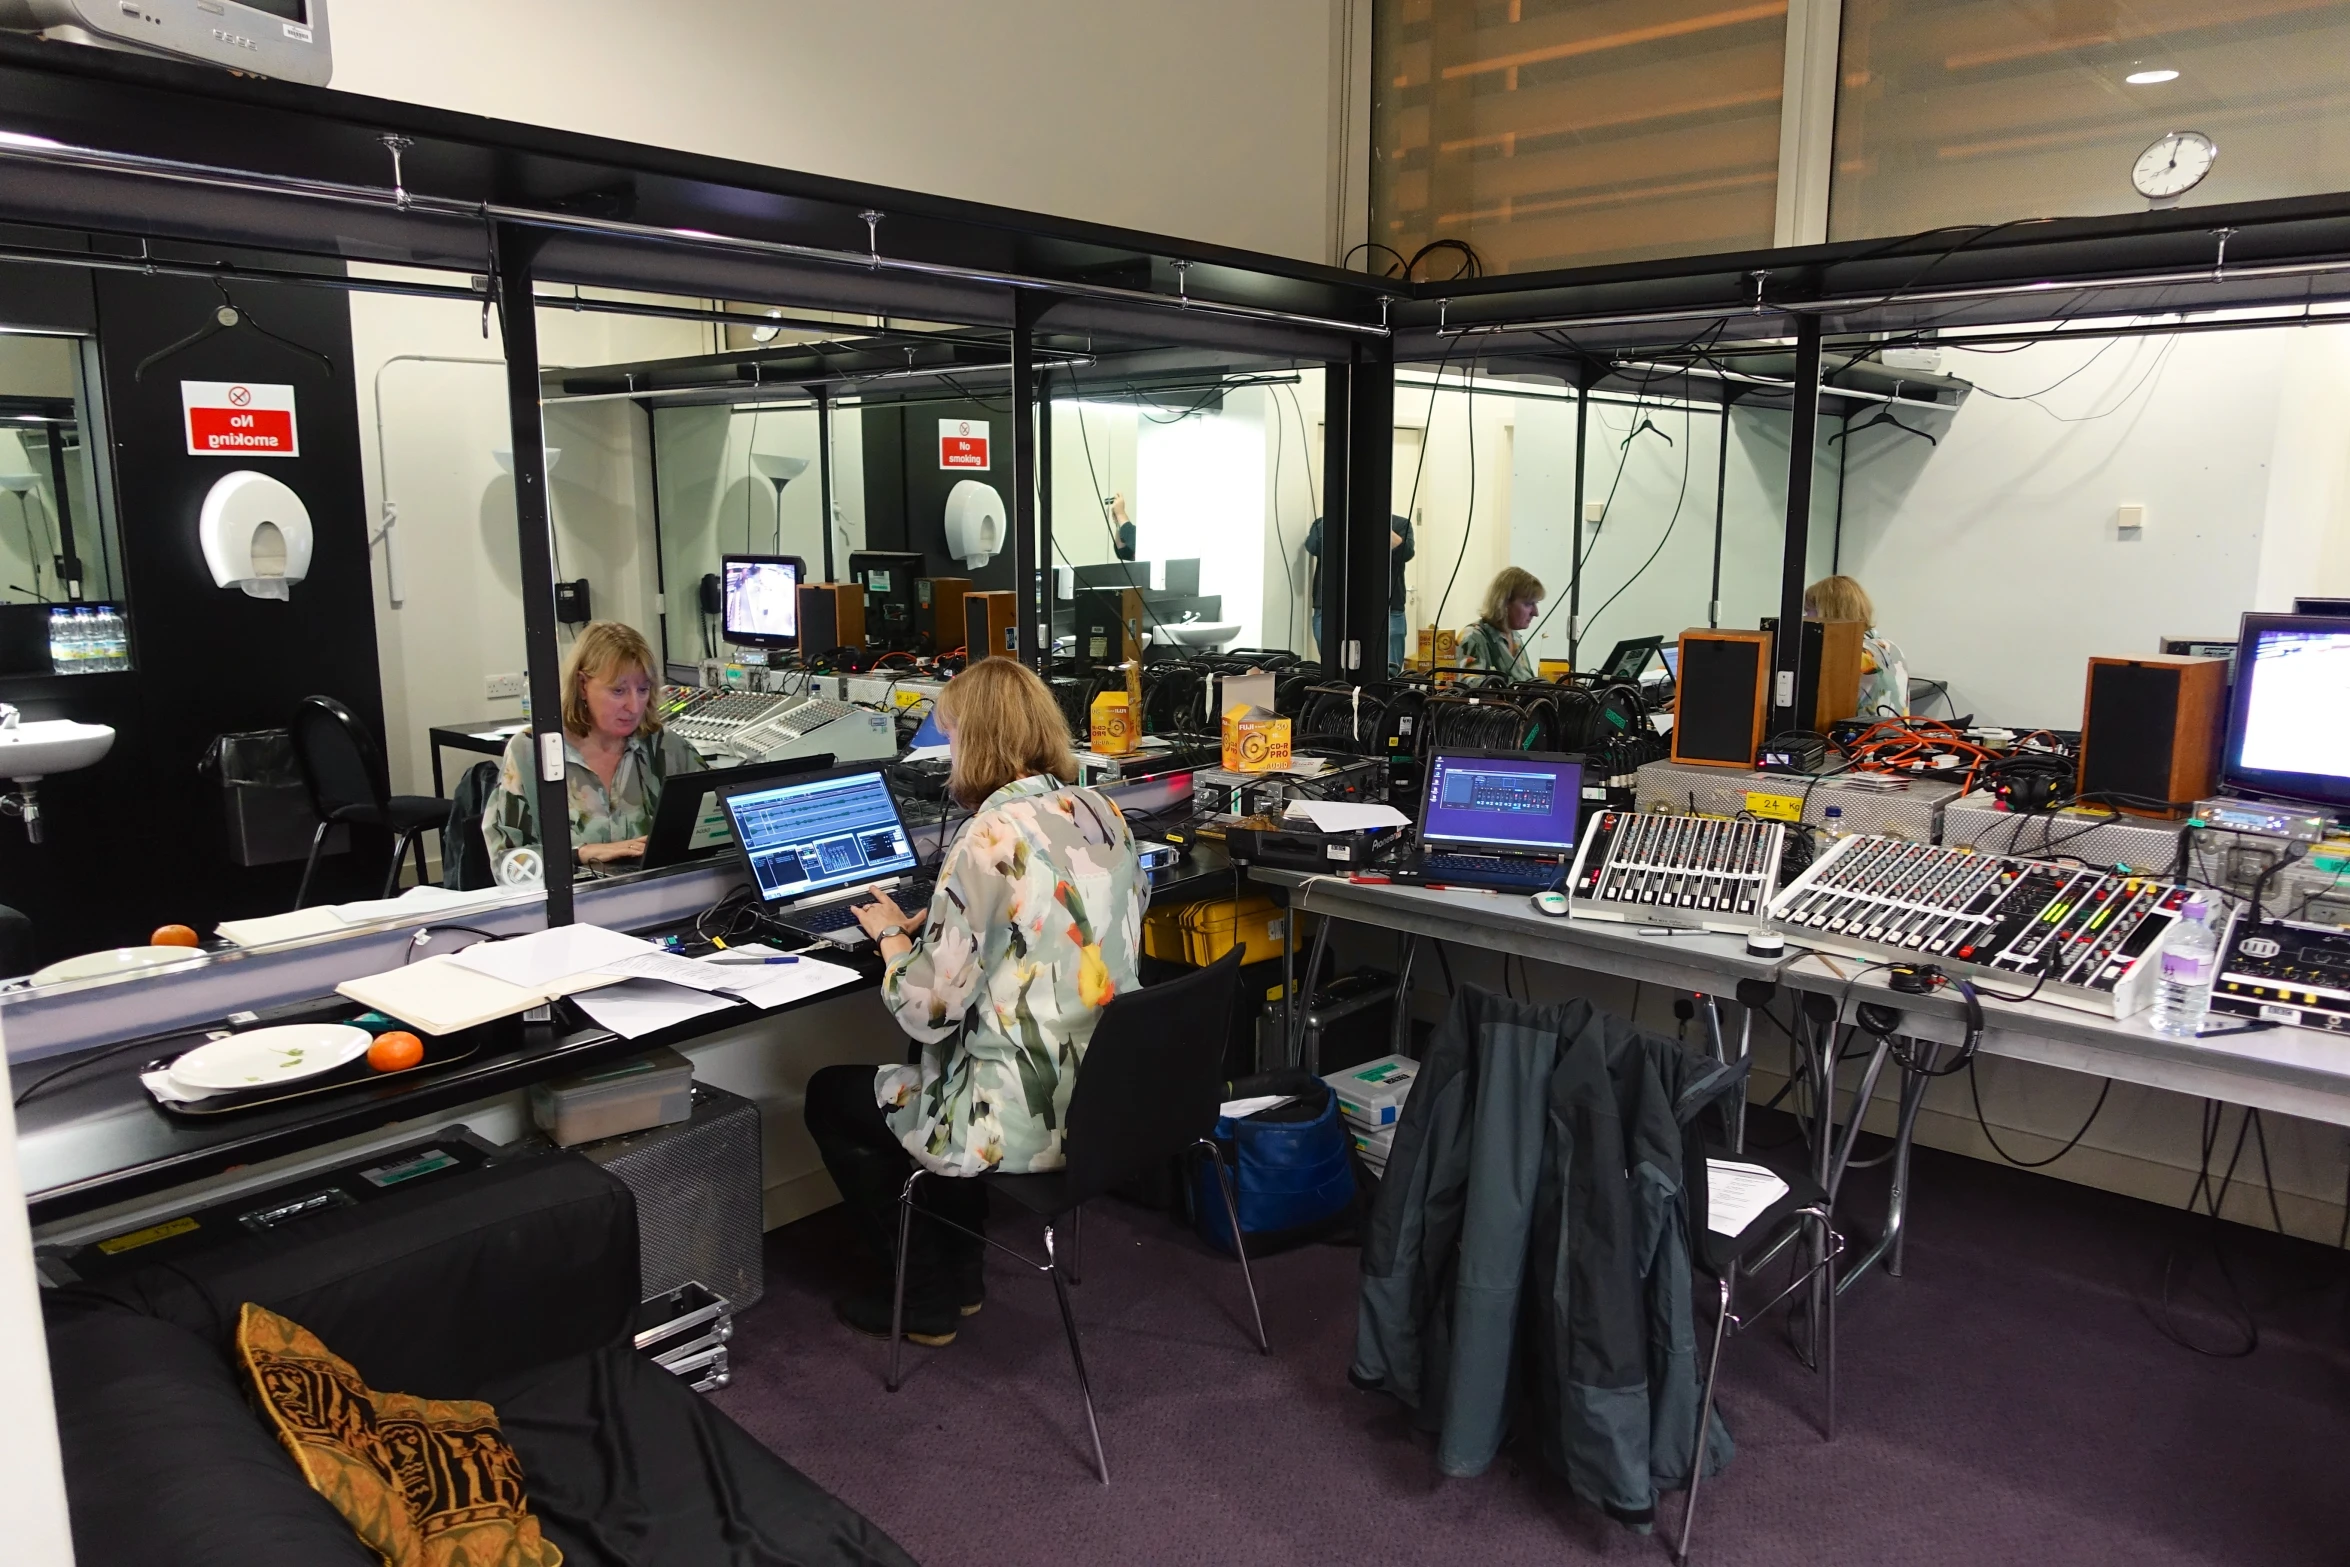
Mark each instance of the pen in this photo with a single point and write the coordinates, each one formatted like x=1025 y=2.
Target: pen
x=1666 y=930
x=750 y=959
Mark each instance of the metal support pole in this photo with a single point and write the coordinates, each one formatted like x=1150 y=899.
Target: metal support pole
x=1362 y=529
x=1583 y=379
x=823 y=475
x=1337 y=505
x=1803 y=440
x=1843 y=457
x=519 y=331
x=1044 y=520
x=1025 y=309
x=1713 y=603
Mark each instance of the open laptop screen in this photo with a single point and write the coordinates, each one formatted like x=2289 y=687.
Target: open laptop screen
x=1527 y=801
x=809 y=837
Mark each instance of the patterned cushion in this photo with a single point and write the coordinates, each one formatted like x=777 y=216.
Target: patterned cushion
x=424 y=1482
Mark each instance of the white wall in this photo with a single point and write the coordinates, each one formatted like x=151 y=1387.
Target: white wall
x=1201 y=481
x=1212 y=120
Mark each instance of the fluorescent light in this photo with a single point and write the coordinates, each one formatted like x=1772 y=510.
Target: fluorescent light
x=2149 y=78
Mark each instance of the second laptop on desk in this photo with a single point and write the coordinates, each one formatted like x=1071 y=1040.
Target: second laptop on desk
x=820 y=845
x=1503 y=819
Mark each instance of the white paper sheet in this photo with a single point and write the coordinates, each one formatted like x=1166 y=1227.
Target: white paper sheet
x=546 y=957
x=785 y=982
x=692 y=973
x=1346 y=815
x=1237 y=1109
x=929 y=753
x=1737 y=1194
x=637 y=1007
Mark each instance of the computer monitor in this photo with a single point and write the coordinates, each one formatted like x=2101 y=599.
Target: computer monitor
x=2321 y=606
x=759 y=599
x=2289 y=720
x=1523 y=801
x=812 y=835
x=1629 y=658
x=690 y=823
x=1671 y=654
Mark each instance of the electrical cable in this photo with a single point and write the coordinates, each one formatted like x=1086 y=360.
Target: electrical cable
x=1975 y=1090
x=1679 y=502
x=1469 y=512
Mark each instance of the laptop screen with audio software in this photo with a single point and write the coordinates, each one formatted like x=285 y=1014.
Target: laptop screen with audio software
x=808 y=837
x=1528 y=801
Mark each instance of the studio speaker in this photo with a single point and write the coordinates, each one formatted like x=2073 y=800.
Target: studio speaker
x=990 y=624
x=2150 y=732
x=1109 y=627
x=832 y=614
x=938 y=611
x=1722 y=697
x=1827 y=678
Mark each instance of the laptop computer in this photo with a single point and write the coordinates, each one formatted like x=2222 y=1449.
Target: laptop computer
x=820 y=844
x=690 y=824
x=1502 y=819
x=1629 y=659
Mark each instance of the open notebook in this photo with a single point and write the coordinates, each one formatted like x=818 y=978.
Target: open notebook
x=441 y=995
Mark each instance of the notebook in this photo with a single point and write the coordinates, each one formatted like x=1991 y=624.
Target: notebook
x=440 y=995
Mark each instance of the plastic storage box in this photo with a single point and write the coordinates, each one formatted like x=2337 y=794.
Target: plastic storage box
x=1372 y=1095
x=653 y=1090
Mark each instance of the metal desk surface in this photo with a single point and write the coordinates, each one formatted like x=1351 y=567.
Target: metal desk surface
x=2293 y=1071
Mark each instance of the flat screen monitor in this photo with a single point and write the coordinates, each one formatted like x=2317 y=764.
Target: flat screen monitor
x=2289 y=720
x=760 y=599
x=1526 y=801
x=810 y=836
x=2304 y=606
x=690 y=824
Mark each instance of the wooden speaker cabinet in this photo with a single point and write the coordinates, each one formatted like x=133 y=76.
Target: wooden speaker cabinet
x=990 y=624
x=1109 y=627
x=2150 y=732
x=1722 y=699
x=938 y=611
x=832 y=614
x=1837 y=678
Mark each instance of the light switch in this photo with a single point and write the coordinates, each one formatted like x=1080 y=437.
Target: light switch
x=2130 y=517
x=1594 y=512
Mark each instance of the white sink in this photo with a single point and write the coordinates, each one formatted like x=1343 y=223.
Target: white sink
x=58 y=745
x=1198 y=633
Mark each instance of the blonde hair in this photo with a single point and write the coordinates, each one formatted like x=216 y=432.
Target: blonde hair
x=1005 y=725
x=1510 y=585
x=1839 y=598
x=605 y=648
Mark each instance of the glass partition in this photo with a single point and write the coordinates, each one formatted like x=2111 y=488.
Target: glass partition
x=57 y=537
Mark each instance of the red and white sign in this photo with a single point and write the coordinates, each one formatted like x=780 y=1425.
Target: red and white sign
x=962 y=443
x=239 y=419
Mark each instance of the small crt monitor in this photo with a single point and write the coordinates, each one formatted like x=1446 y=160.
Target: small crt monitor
x=2289 y=721
x=760 y=599
x=1522 y=801
x=837 y=830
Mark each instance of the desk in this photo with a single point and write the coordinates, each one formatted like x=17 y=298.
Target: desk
x=488 y=736
x=2292 y=1071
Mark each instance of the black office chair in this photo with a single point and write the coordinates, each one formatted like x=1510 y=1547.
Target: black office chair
x=343 y=768
x=1148 y=1090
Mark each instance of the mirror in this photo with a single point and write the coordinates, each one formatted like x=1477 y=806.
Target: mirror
x=57 y=538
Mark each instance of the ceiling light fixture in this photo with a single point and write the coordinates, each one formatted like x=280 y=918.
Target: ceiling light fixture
x=2150 y=78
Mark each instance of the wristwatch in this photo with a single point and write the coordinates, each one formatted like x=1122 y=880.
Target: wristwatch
x=888 y=931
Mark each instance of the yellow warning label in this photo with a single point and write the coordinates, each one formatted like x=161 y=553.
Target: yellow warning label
x=1775 y=807
x=148 y=1236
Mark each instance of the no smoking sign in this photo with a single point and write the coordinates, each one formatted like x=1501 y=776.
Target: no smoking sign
x=962 y=443
x=240 y=419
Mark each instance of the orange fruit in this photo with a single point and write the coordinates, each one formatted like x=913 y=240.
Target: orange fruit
x=396 y=1051
x=172 y=936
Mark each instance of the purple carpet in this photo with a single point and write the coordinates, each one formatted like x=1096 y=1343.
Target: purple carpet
x=2010 y=1400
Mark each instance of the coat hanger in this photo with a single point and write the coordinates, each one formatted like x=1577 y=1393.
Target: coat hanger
x=1882 y=415
x=1646 y=426
x=226 y=316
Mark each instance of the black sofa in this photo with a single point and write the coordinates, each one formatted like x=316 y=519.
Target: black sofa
x=515 y=1283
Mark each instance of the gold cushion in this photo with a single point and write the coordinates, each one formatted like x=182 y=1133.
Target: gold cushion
x=423 y=1482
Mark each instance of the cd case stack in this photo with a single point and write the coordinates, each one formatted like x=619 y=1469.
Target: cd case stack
x=1371 y=1097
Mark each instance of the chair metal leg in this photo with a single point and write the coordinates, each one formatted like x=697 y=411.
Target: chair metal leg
x=897 y=1289
x=1239 y=1244
x=1076 y=1355
x=310 y=866
x=1076 y=1243
x=1828 y=1324
x=392 y=871
x=1705 y=1416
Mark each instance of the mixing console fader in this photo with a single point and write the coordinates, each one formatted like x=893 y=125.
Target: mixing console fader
x=2075 y=935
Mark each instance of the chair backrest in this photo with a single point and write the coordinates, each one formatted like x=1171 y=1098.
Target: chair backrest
x=465 y=852
x=1152 y=1078
x=341 y=763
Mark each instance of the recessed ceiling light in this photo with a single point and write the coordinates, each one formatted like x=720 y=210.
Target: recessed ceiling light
x=2149 y=78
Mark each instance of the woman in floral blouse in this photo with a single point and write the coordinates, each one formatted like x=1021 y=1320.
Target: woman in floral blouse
x=1034 y=927
x=616 y=756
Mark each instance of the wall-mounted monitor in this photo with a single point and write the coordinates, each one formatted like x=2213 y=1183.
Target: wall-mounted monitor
x=760 y=599
x=2289 y=724
x=286 y=39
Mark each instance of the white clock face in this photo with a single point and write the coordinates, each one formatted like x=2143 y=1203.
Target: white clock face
x=2174 y=165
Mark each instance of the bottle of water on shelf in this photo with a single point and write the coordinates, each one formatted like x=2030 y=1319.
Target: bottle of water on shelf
x=1832 y=823
x=2190 y=962
x=89 y=656
x=61 y=641
x=117 y=634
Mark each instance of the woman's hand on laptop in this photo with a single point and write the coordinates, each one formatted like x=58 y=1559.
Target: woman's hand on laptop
x=606 y=853
x=880 y=915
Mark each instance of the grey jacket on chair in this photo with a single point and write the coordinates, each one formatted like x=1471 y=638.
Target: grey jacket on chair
x=1542 y=1151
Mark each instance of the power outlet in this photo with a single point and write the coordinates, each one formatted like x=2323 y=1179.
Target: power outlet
x=502 y=685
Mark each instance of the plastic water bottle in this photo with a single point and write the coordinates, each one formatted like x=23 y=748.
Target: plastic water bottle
x=118 y=638
x=2190 y=962
x=61 y=641
x=89 y=653
x=1833 y=824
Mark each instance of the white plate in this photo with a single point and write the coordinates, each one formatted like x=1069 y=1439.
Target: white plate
x=263 y=1056
x=116 y=960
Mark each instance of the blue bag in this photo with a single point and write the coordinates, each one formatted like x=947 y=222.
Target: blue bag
x=1292 y=1167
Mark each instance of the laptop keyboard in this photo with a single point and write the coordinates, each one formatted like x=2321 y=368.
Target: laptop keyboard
x=910 y=895
x=1492 y=868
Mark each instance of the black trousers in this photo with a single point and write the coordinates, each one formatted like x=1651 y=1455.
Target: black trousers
x=870 y=1167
